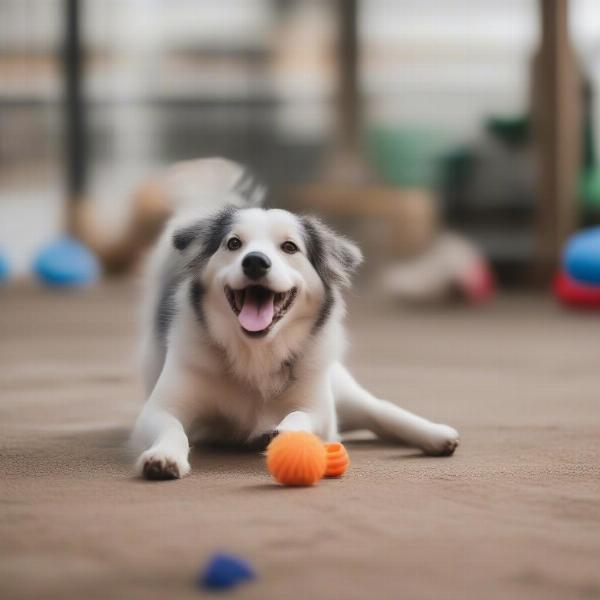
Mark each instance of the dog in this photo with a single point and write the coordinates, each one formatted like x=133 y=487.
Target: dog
x=244 y=337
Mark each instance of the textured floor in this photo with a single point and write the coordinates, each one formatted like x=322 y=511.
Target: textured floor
x=514 y=514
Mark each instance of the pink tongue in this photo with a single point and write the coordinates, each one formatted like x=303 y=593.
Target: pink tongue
x=256 y=316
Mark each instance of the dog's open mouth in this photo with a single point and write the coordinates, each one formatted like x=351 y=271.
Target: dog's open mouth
x=258 y=308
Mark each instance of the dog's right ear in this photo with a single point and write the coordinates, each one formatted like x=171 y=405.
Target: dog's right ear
x=206 y=233
x=183 y=237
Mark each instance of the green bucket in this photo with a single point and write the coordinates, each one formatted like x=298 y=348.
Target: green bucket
x=407 y=156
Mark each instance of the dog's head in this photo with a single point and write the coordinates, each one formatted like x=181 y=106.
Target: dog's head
x=256 y=270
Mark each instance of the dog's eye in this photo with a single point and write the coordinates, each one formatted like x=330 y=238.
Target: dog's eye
x=234 y=243
x=289 y=247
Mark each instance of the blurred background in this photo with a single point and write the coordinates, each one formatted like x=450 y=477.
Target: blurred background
x=456 y=141
x=445 y=128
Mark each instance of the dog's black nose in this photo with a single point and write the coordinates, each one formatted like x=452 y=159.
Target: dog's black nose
x=255 y=265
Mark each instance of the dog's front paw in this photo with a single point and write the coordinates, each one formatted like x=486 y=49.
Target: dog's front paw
x=443 y=441
x=157 y=463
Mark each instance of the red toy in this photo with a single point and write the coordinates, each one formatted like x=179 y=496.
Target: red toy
x=572 y=293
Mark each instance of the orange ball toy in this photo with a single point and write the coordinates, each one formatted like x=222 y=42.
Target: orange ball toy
x=296 y=458
x=338 y=460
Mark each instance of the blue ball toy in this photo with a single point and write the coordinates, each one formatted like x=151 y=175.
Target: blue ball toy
x=581 y=257
x=66 y=263
x=224 y=571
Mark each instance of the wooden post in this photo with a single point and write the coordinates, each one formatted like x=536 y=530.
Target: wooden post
x=74 y=115
x=348 y=90
x=557 y=109
x=346 y=164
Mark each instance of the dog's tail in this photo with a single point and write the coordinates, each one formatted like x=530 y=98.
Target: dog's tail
x=198 y=186
x=209 y=184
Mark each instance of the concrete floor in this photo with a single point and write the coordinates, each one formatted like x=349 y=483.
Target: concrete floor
x=514 y=514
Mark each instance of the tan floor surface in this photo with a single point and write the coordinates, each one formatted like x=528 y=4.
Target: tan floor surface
x=514 y=514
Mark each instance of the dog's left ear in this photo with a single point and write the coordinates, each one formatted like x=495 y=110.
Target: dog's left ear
x=334 y=257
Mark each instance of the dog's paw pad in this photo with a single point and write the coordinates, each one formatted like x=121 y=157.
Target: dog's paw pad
x=157 y=469
x=157 y=466
x=444 y=442
x=449 y=447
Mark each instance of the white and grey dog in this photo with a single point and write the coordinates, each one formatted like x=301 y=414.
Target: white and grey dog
x=244 y=334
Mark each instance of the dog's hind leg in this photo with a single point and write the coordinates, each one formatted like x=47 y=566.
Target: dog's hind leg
x=358 y=409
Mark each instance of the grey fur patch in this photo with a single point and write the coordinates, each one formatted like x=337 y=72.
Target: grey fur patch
x=326 y=308
x=165 y=309
x=171 y=277
x=196 y=295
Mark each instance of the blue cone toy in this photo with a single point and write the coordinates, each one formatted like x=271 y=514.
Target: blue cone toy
x=224 y=571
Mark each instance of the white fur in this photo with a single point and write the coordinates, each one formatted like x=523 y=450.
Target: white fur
x=215 y=383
